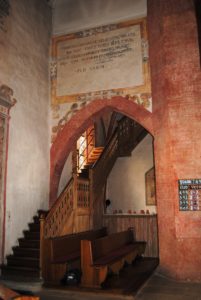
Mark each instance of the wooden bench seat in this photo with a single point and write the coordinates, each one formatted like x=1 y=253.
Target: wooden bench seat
x=62 y=253
x=118 y=253
x=107 y=253
x=68 y=247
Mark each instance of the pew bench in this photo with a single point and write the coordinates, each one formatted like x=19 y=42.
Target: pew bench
x=67 y=248
x=105 y=254
x=65 y=253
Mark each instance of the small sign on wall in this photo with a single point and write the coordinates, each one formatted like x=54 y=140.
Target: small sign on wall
x=189 y=194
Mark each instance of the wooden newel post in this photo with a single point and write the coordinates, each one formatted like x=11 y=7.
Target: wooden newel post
x=75 y=208
x=91 y=198
x=42 y=236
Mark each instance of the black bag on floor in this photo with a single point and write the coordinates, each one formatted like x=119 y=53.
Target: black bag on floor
x=71 y=277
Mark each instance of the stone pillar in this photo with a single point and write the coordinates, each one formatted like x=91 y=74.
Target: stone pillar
x=6 y=102
x=176 y=91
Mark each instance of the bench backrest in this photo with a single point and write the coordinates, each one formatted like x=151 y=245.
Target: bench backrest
x=65 y=245
x=104 y=245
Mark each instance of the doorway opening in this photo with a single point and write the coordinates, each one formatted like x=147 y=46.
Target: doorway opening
x=129 y=185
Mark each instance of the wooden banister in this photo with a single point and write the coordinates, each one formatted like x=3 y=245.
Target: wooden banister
x=75 y=197
x=87 y=150
x=83 y=200
x=59 y=213
x=103 y=166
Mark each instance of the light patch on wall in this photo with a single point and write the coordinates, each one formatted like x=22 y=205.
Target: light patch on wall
x=126 y=182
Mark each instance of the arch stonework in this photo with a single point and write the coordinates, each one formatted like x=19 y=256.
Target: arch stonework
x=68 y=136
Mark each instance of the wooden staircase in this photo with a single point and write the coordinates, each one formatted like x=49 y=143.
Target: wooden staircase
x=24 y=262
x=75 y=204
x=91 y=160
x=94 y=155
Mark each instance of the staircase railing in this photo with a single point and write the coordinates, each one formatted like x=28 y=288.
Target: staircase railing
x=75 y=197
x=59 y=213
x=130 y=134
x=83 y=156
x=83 y=198
x=104 y=164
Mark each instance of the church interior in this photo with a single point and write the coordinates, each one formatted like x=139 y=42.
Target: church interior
x=100 y=160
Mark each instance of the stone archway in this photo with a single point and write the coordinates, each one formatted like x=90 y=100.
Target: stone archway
x=67 y=137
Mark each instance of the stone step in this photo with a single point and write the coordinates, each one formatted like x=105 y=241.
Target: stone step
x=36 y=219
x=26 y=252
x=8 y=271
x=31 y=235
x=29 y=243
x=27 y=262
x=34 y=227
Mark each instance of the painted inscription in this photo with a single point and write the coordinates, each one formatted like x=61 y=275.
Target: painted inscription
x=103 y=61
x=190 y=194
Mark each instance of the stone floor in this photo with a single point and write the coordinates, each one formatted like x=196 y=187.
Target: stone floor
x=161 y=288
x=156 y=288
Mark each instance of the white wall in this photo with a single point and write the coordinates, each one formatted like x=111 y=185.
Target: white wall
x=24 y=52
x=66 y=174
x=126 y=182
x=75 y=15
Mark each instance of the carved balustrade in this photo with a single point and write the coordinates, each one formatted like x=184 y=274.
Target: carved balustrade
x=59 y=213
x=83 y=199
x=103 y=166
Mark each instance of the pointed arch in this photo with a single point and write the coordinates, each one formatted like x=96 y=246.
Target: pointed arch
x=68 y=136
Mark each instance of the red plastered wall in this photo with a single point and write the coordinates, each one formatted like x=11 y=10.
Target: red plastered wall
x=176 y=92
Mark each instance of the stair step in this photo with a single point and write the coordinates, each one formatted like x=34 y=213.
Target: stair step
x=28 y=252
x=95 y=154
x=31 y=235
x=23 y=261
x=34 y=227
x=29 y=243
x=19 y=271
x=92 y=159
x=84 y=173
x=98 y=149
x=36 y=219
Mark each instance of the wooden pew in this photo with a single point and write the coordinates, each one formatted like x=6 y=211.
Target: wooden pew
x=64 y=252
x=107 y=254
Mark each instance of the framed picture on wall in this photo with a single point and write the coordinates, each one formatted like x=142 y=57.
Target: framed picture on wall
x=150 y=187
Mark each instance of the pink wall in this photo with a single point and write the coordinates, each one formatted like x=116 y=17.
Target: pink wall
x=176 y=92
x=175 y=125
